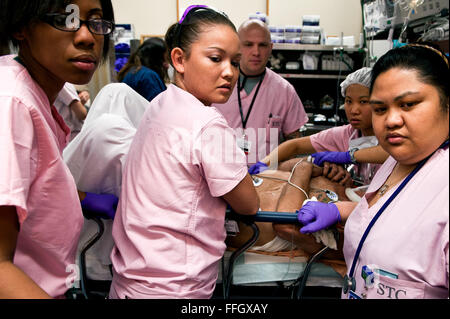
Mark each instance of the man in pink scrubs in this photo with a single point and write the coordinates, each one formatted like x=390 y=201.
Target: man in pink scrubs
x=264 y=107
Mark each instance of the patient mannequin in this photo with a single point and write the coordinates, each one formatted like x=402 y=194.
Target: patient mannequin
x=277 y=195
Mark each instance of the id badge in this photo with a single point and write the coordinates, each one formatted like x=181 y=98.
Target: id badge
x=244 y=145
x=353 y=295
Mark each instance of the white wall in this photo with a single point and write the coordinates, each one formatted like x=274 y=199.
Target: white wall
x=237 y=10
x=155 y=16
x=336 y=16
x=151 y=17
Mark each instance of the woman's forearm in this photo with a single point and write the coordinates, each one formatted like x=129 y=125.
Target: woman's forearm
x=15 y=284
x=289 y=149
x=79 y=110
x=375 y=154
x=345 y=209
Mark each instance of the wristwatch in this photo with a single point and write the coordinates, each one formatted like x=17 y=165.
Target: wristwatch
x=352 y=154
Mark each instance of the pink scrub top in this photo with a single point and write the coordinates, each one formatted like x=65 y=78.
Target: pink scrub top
x=337 y=139
x=277 y=110
x=410 y=239
x=34 y=179
x=169 y=228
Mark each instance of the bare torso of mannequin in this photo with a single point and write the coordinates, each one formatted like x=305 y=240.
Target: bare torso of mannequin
x=272 y=193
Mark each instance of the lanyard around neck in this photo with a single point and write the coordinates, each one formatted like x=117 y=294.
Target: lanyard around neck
x=19 y=60
x=382 y=209
x=239 y=88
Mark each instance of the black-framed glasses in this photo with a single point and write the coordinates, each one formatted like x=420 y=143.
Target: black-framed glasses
x=65 y=22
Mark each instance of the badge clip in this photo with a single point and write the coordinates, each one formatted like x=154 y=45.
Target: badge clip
x=349 y=284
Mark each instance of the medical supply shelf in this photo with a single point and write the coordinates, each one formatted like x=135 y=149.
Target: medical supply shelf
x=312 y=76
x=318 y=85
x=330 y=62
x=312 y=47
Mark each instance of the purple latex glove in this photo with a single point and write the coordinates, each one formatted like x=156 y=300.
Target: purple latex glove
x=100 y=205
x=332 y=157
x=316 y=216
x=257 y=168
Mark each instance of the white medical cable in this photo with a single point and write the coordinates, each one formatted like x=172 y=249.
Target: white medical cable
x=292 y=234
x=309 y=159
x=285 y=180
x=292 y=255
x=292 y=184
x=298 y=187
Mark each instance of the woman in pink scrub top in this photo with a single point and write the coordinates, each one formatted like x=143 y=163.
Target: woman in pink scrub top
x=339 y=141
x=396 y=242
x=182 y=169
x=40 y=212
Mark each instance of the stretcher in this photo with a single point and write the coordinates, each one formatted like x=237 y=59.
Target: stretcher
x=241 y=268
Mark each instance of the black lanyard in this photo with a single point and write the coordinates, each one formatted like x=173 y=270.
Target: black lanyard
x=19 y=61
x=239 y=88
x=349 y=281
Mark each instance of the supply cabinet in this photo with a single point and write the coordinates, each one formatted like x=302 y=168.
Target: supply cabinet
x=316 y=72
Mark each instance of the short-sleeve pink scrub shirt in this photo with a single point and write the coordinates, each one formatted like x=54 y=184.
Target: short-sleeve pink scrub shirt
x=34 y=179
x=169 y=229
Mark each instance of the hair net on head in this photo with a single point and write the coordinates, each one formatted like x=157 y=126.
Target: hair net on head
x=361 y=76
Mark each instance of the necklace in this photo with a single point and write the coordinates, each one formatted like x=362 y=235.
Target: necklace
x=383 y=189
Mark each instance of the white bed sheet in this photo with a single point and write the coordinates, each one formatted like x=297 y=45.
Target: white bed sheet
x=258 y=269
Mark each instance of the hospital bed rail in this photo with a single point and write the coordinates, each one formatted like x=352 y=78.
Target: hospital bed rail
x=90 y=289
x=275 y=217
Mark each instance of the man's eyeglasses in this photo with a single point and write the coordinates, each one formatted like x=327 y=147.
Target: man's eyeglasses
x=64 y=23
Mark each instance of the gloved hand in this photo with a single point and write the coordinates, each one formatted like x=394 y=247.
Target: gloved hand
x=257 y=168
x=332 y=157
x=100 y=205
x=317 y=216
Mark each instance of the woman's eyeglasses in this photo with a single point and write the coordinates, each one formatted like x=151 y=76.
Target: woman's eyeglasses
x=73 y=24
